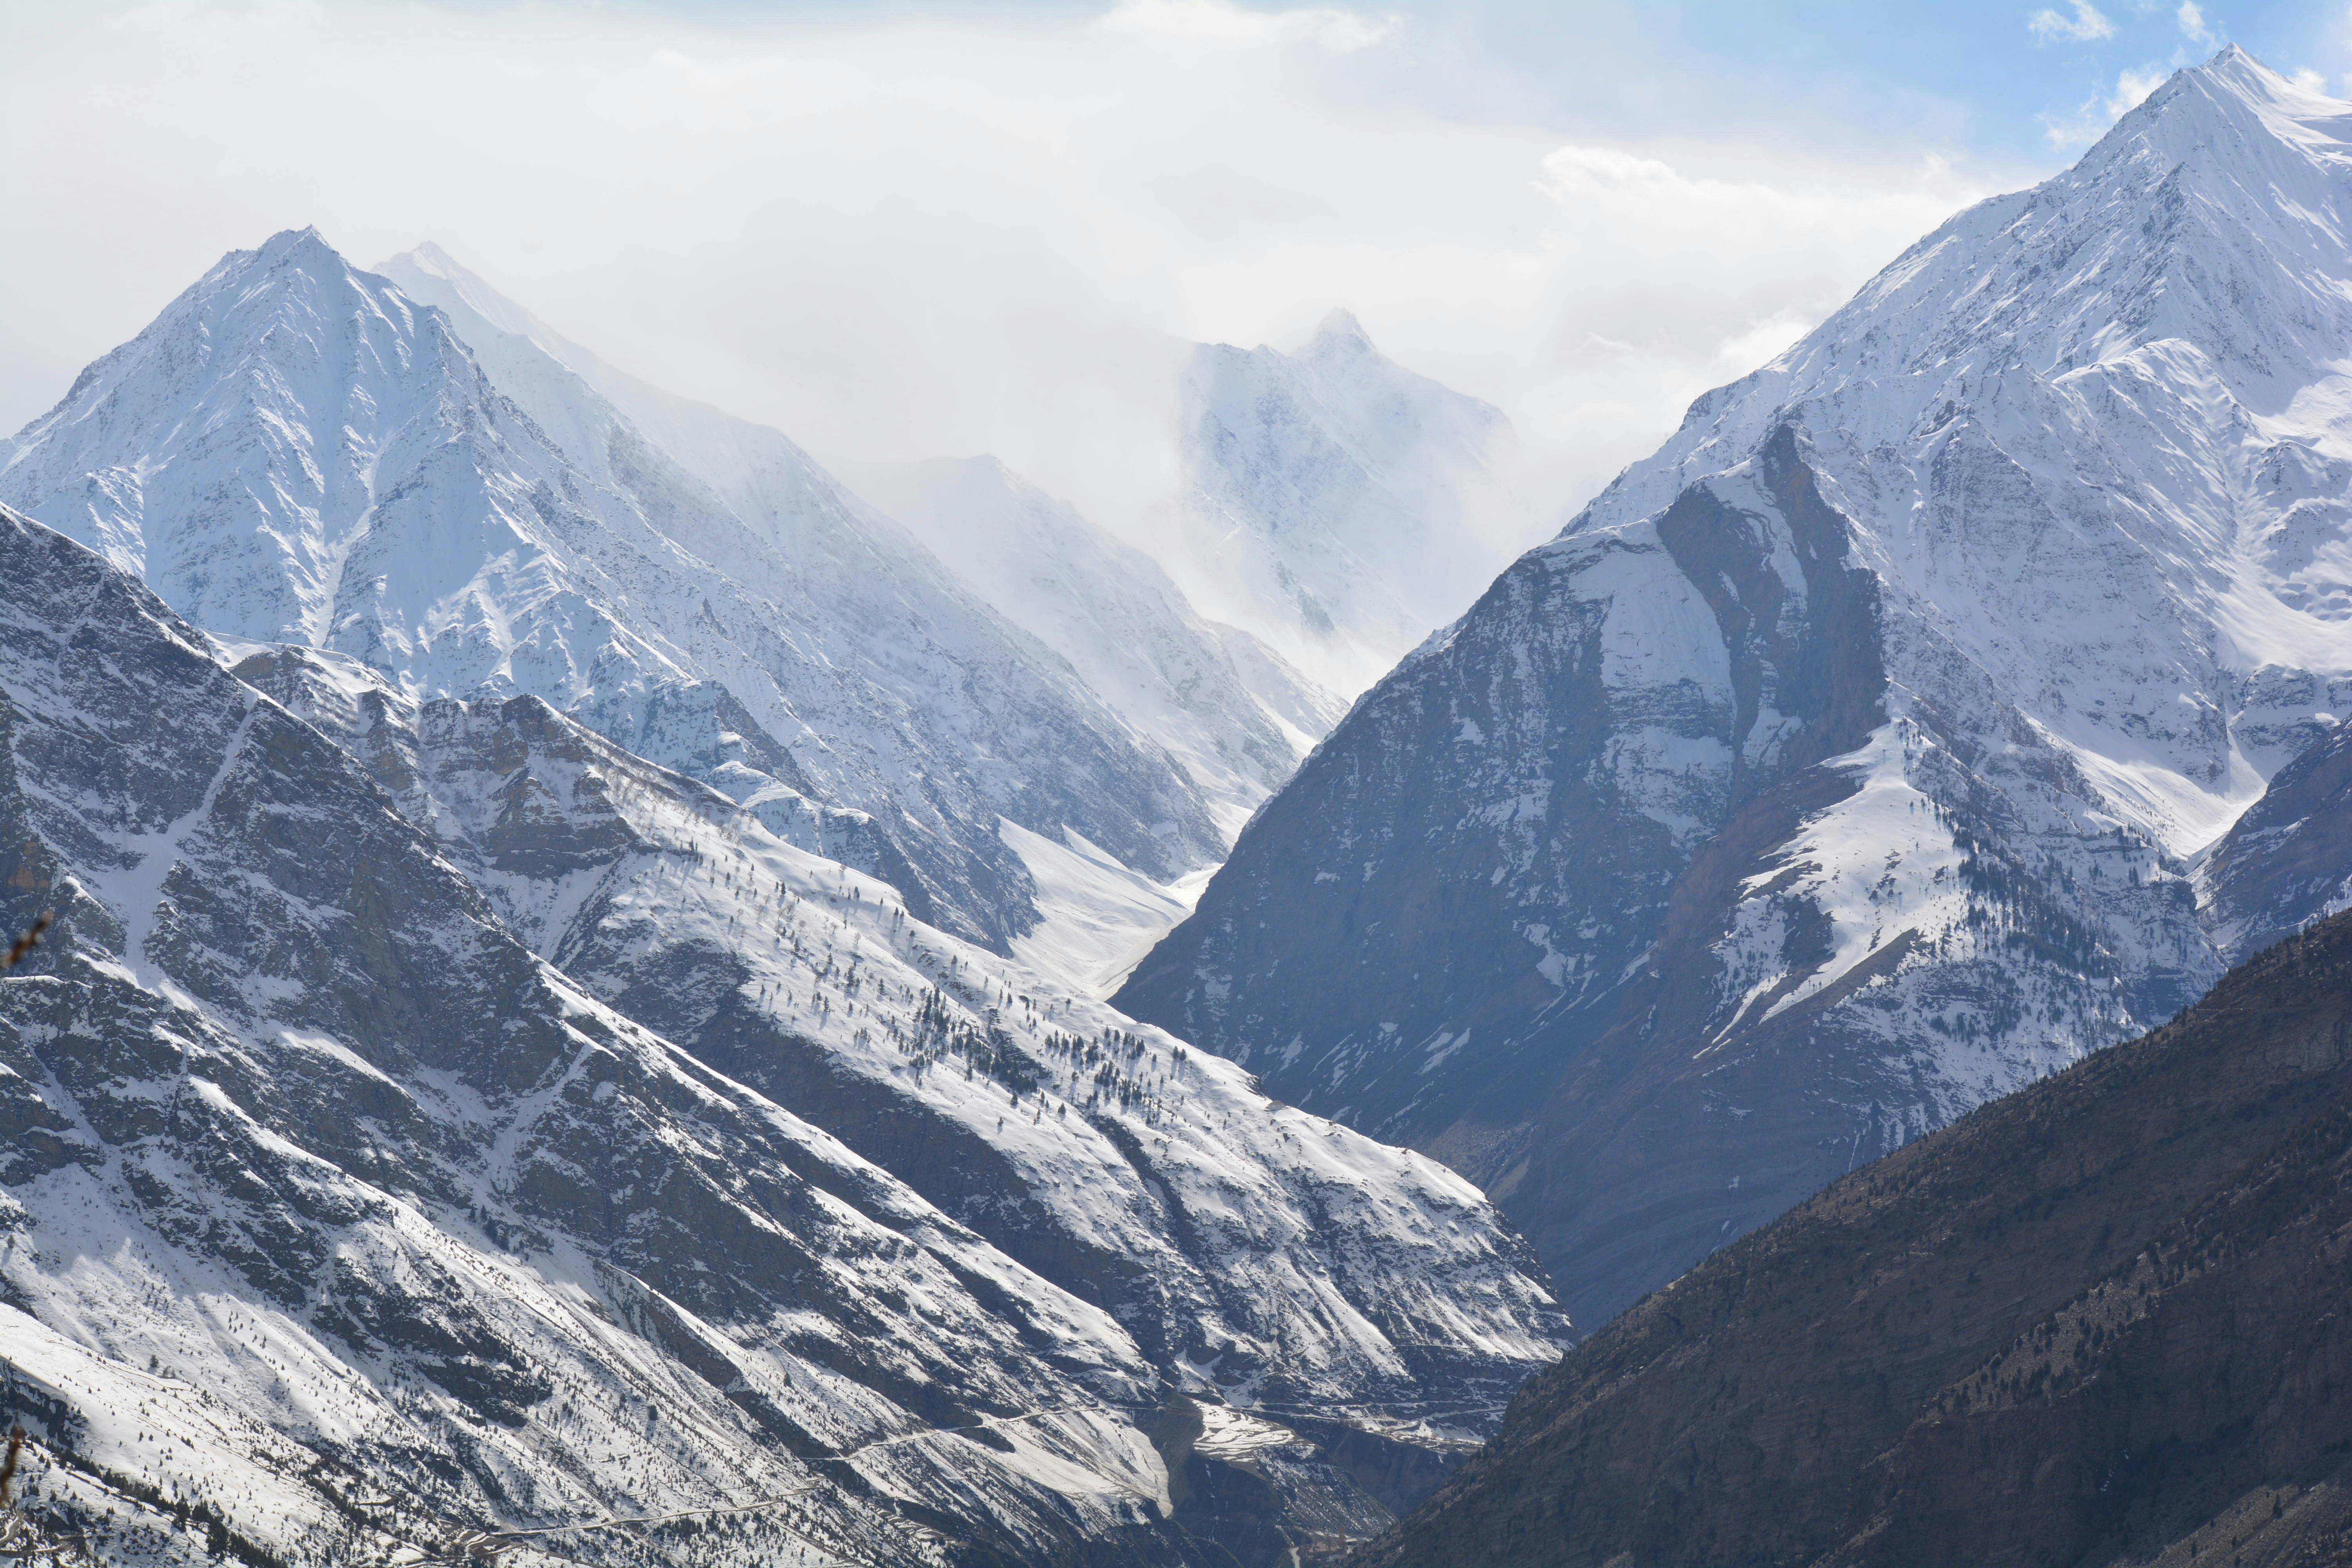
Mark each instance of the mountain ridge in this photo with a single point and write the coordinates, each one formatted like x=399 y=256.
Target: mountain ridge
x=1339 y=506
x=493 y=559
x=1113 y=612
x=304 y=1117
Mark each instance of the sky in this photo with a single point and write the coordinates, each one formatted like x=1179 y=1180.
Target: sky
x=900 y=230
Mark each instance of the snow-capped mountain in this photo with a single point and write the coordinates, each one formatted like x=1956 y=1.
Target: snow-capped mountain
x=1840 y=766
x=1340 y=506
x=295 y=450
x=338 y=1218
x=321 y=1187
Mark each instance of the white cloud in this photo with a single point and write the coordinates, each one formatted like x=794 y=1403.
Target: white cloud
x=901 y=238
x=2072 y=132
x=2086 y=23
x=2310 y=81
x=1567 y=168
x=2191 y=18
x=1760 y=344
x=1220 y=24
x=2132 y=88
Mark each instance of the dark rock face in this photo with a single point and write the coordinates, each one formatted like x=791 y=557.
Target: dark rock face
x=2288 y=860
x=2095 y=1323
x=1547 y=904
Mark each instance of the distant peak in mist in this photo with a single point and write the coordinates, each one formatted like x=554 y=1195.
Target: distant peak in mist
x=1341 y=334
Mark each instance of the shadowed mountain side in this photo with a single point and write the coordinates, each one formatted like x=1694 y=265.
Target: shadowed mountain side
x=2288 y=860
x=2113 y=1302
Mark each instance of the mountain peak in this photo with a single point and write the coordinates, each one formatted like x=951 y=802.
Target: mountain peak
x=2247 y=75
x=429 y=258
x=299 y=245
x=427 y=253
x=2234 y=78
x=426 y=260
x=1339 y=336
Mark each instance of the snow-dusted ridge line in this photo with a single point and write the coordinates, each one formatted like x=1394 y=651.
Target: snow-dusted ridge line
x=1114 y=614
x=659 y=892
x=333 y=1190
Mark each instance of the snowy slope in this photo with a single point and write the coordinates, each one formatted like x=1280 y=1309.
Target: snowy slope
x=295 y=450
x=1118 y=618
x=1839 y=766
x=2287 y=861
x=1059 y=1124
x=309 y=1157
x=1225 y=705
x=1176 y=692
x=1340 y=505
x=1100 y=918
x=322 y=1186
x=758 y=472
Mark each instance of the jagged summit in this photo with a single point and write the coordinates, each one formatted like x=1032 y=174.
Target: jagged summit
x=304 y=242
x=2185 y=274
x=2234 y=70
x=2208 y=215
x=428 y=253
x=228 y=453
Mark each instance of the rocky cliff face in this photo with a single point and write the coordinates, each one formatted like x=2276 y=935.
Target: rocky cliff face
x=1841 y=766
x=2287 y=862
x=337 y=1212
x=2094 y=1323
x=958 y=1071
x=309 y=1155
x=297 y=450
